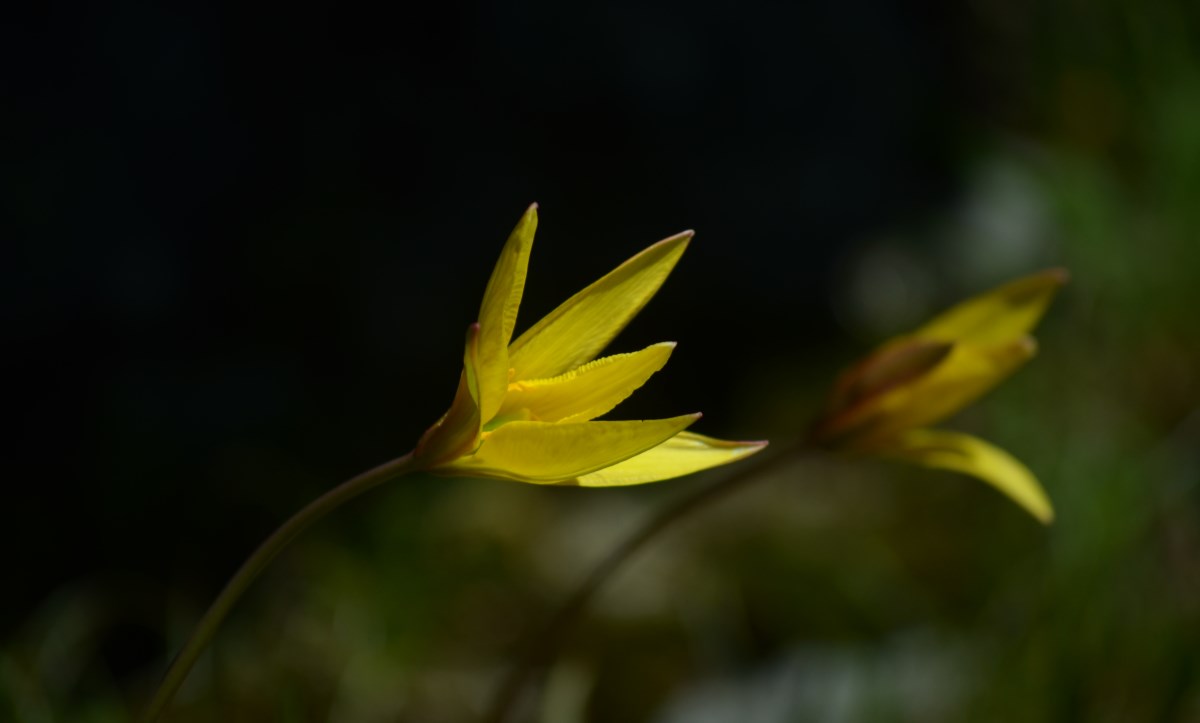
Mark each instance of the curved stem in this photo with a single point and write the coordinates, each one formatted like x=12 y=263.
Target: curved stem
x=254 y=565
x=542 y=649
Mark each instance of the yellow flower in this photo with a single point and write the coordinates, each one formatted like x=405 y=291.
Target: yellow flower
x=881 y=405
x=524 y=409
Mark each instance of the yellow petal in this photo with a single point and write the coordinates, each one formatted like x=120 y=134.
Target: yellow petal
x=588 y=391
x=1002 y=314
x=582 y=326
x=458 y=431
x=966 y=374
x=544 y=452
x=966 y=454
x=498 y=313
x=682 y=454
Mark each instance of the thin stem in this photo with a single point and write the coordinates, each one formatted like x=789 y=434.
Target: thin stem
x=541 y=651
x=254 y=565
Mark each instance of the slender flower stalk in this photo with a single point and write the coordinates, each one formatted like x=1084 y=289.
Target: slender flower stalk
x=254 y=565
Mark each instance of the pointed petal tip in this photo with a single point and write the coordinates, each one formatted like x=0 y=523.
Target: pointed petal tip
x=683 y=238
x=473 y=334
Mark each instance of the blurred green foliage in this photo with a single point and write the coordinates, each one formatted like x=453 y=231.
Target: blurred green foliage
x=839 y=590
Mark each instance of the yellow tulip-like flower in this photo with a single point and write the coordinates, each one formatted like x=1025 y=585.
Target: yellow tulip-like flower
x=881 y=405
x=525 y=410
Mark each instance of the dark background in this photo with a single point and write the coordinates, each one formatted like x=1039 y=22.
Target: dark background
x=246 y=242
x=264 y=234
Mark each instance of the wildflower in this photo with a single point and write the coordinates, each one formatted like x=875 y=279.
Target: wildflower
x=881 y=405
x=524 y=410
